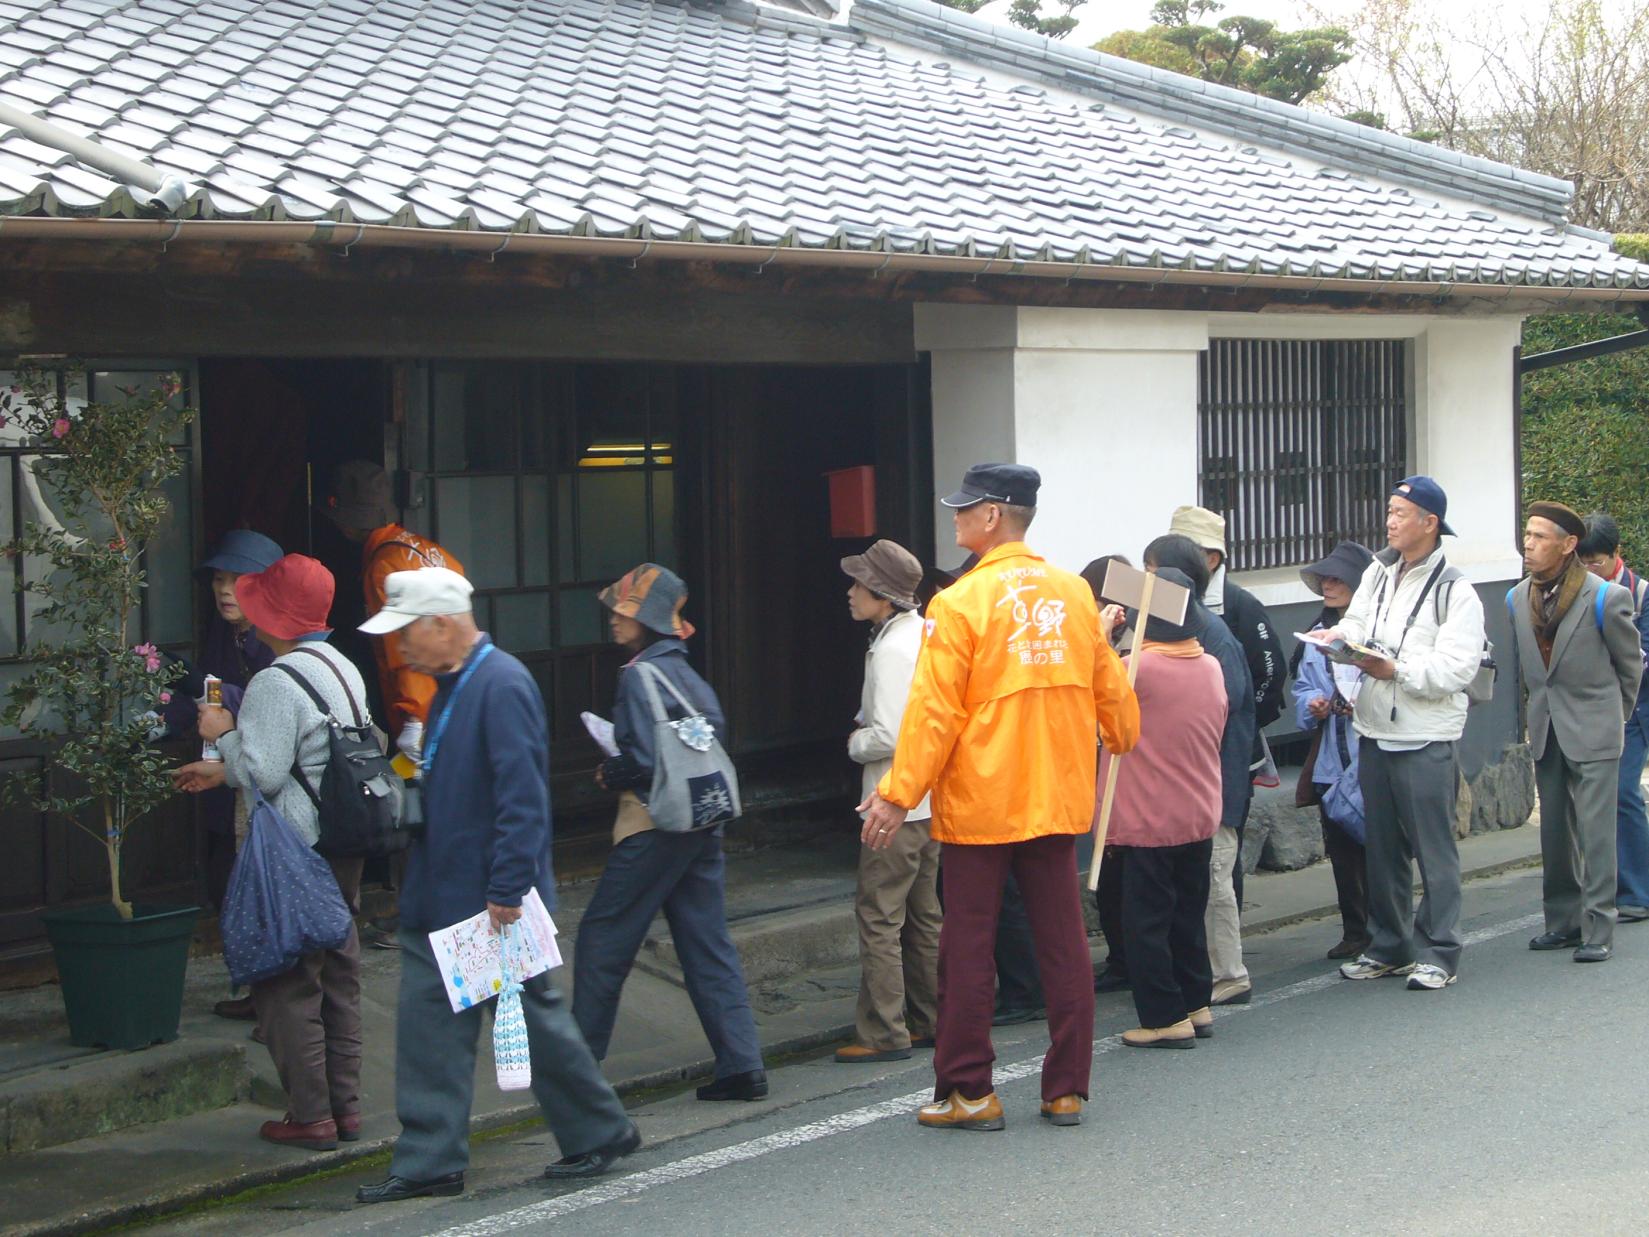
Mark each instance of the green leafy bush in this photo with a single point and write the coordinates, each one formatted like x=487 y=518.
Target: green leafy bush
x=91 y=688
x=1586 y=425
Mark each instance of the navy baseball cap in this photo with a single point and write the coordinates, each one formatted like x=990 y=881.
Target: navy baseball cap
x=1426 y=494
x=1014 y=485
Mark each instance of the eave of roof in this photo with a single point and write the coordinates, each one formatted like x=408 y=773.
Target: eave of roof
x=1236 y=113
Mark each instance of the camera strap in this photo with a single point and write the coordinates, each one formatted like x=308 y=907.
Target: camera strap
x=1425 y=592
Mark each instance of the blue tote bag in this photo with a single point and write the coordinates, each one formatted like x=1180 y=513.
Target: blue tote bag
x=282 y=902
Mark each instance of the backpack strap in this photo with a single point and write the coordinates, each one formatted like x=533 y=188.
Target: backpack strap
x=1597 y=608
x=337 y=674
x=405 y=545
x=326 y=712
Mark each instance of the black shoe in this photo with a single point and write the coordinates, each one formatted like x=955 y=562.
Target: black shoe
x=750 y=1085
x=594 y=1163
x=1555 y=940
x=1013 y=1017
x=1109 y=980
x=394 y=1189
x=1632 y=914
x=1593 y=953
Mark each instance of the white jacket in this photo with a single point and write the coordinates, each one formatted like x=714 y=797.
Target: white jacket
x=890 y=664
x=1434 y=663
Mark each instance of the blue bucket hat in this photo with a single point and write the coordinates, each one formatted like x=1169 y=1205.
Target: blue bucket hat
x=243 y=552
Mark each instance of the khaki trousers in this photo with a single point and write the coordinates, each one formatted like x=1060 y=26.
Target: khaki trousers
x=898 y=912
x=311 y=1020
x=1221 y=921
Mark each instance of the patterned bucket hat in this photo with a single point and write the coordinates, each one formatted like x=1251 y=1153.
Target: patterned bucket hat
x=653 y=596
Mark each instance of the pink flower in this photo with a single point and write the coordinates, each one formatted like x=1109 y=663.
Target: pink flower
x=60 y=427
x=165 y=697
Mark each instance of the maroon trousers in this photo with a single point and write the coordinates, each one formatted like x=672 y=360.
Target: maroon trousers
x=1045 y=869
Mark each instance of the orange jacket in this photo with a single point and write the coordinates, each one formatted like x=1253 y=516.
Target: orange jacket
x=407 y=693
x=1013 y=684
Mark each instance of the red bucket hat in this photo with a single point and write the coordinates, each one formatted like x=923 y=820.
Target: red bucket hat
x=292 y=598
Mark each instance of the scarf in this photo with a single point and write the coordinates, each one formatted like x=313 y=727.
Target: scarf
x=1173 y=648
x=1549 y=601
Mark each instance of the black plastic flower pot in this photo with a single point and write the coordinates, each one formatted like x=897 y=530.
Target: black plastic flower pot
x=122 y=978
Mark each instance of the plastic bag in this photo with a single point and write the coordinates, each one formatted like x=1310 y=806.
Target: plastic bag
x=282 y=902
x=511 y=1052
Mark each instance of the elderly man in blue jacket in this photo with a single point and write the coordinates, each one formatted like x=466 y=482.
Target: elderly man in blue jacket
x=487 y=843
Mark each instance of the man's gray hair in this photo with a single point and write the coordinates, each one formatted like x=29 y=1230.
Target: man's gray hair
x=1019 y=517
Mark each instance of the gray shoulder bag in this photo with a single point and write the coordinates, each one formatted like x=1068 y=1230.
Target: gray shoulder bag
x=694 y=786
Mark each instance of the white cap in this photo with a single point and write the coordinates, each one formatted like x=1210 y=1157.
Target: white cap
x=410 y=595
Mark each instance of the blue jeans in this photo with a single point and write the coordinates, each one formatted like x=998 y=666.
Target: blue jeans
x=1631 y=825
x=682 y=875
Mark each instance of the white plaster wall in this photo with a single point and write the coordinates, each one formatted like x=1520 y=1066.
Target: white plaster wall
x=1114 y=435
x=1103 y=403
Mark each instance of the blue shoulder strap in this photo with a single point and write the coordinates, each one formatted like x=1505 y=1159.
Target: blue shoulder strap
x=1597 y=609
x=1511 y=613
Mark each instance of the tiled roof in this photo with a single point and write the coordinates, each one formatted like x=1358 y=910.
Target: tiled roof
x=732 y=124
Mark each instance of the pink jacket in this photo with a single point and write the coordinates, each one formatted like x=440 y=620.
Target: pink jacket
x=1168 y=789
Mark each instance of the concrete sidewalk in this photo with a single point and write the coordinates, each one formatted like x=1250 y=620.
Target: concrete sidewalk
x=804 y=1001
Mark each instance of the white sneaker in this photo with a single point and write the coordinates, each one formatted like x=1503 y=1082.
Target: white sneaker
x=1427 y=977
x=1366 y=967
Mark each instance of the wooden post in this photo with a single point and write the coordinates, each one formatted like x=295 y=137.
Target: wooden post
x=1103 y=827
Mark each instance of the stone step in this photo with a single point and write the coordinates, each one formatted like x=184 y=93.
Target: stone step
x=114 y=1090
x=775 y=946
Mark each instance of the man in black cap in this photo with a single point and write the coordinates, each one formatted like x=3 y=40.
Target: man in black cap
x=1014 y=684
x=1425 y=623
x=1578 y=653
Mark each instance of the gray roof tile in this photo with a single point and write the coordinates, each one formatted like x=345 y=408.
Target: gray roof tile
x=747 y=125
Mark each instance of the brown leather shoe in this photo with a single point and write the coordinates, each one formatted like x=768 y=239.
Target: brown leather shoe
x=349 y=1126
x=922 y=1041
x=1181 y=1035
x=240 y=1009
x=1202 y=1022
x=959 y=1113
x=1066 y=1110
x=864 y=1054
x=316 y=1136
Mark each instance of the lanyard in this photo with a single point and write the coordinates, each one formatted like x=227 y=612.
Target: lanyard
x=433 y=740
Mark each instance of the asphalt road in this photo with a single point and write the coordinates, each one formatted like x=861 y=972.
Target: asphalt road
x=1514 y=1102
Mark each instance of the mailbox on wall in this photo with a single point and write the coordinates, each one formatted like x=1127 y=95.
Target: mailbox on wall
x=853 y=501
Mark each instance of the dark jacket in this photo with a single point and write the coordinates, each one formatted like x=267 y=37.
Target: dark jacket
x=1267 y=667
x=486 y=797
x=632 y=768
x=1241 y=730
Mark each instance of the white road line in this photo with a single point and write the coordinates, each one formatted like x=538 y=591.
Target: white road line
x=709 y=1161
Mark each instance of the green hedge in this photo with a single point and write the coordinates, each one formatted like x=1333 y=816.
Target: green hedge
x=1586 y=425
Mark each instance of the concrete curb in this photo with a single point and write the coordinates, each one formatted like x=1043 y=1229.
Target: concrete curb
x=323 y=1163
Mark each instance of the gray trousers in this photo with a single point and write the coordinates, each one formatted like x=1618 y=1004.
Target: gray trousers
x=1577 y=842
x=435 y=1071
x=1408 y=806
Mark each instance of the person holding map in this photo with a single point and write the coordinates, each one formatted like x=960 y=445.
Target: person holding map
x=486 y=847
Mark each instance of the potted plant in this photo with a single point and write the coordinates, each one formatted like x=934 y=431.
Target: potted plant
x=91 y=686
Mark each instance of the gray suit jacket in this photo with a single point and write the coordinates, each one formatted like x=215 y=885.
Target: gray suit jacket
x=1589 y=690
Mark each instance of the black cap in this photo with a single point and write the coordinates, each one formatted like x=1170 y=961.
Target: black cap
x=1347 y=563
x=1014 y=485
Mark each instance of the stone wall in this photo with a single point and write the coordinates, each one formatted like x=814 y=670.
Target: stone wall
x=1281 y=837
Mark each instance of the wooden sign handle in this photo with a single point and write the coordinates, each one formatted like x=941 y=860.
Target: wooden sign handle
x=1102 y=827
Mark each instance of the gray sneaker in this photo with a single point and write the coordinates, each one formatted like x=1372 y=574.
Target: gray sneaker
x=1366 y=967
x=1429 y=978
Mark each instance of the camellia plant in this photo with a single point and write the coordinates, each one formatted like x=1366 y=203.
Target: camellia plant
x=91 y=686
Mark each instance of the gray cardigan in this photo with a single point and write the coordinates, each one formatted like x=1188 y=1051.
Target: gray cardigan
x=278 y=722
